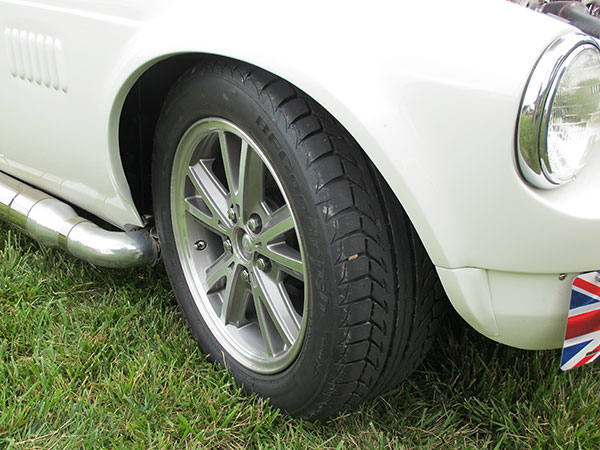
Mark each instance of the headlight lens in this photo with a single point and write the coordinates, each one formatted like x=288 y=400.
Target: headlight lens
x=560 y=116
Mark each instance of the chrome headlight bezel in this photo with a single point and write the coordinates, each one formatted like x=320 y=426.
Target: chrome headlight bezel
x=536 y=105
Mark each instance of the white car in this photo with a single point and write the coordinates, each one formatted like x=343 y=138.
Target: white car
x=313 y=171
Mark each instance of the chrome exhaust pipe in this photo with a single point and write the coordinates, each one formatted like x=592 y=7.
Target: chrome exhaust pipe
x=55 y=224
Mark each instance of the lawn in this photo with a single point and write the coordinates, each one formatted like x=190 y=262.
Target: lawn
x=100 y=358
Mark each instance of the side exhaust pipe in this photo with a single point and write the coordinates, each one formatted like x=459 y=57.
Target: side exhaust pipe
x=55 y=224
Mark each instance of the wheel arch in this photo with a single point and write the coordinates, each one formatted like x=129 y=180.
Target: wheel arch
x=143 y=94
x=138 y=118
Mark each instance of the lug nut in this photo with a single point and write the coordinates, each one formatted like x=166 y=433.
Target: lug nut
x=200 y=245
x=227 y=245
x=232 y=215
x=255 y=224
x=245 y=275
x=263 y=264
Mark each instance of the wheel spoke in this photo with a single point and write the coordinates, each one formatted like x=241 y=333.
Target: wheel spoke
x=221 y=268
x=235 y=298
x=265 y=331
x=211 y=191
x=234 y=294
x=279 y=307
x=270 y=243
x=250 y=193
x=230 y=165
x=285 y=257
x=209 y=221
x=279 y=223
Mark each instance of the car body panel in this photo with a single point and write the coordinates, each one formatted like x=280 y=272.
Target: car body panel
x=522 y=310
x=417 y=101
x=57 y=139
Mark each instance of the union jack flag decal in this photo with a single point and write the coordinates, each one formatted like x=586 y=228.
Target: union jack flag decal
x=582 y=338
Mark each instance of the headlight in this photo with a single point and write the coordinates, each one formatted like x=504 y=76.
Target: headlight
x=559 y=120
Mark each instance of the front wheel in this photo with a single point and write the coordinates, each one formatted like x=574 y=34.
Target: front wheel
x=293 y=264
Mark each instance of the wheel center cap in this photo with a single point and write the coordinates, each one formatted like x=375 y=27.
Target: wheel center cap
x=247 y=243
x=242 y=244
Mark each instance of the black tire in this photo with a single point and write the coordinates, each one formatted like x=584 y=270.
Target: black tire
x=373 y=294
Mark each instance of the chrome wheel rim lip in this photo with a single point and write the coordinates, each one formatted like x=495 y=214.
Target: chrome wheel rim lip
x=248 y=343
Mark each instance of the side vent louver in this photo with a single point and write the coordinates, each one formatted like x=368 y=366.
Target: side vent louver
x=36 y=58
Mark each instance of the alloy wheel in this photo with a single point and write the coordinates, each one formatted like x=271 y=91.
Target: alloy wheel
x=238 y=245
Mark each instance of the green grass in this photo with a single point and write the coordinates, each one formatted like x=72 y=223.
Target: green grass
x=98 y=358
